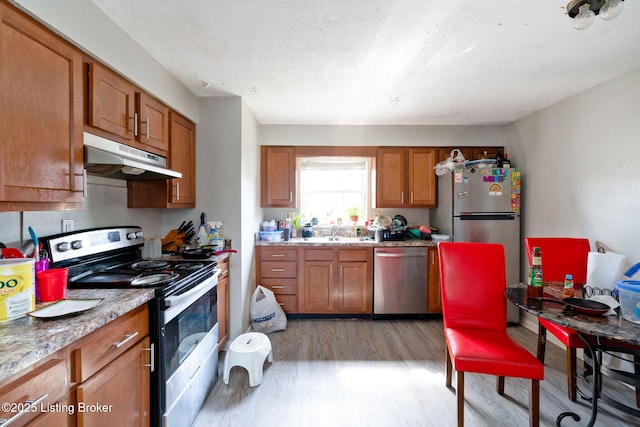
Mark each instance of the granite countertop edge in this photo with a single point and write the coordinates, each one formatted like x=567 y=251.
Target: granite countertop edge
x=347 y=242
x=27 y=340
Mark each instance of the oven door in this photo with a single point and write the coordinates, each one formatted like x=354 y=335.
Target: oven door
x=189 y=351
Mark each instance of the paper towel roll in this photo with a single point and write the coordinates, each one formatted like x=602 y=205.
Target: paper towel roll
x=604 y=269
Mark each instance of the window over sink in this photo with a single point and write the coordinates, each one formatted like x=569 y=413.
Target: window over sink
x=333 y=189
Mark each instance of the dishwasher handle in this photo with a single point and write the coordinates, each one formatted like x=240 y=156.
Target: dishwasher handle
x=401 y=254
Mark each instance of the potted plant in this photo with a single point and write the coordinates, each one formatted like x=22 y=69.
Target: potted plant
x=354 y=213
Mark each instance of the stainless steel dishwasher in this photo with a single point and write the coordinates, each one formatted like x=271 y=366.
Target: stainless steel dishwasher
x=400 y=280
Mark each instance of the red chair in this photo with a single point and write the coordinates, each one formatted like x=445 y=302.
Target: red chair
x=561 y=256
x=475 y=323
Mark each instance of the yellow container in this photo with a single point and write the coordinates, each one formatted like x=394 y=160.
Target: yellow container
x=17 y=288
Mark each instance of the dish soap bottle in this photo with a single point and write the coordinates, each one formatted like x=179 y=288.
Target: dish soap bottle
x=535 y=274
x=202 y=237
x=568 y=286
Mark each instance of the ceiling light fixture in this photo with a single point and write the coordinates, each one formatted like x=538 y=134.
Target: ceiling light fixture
x=584 y=12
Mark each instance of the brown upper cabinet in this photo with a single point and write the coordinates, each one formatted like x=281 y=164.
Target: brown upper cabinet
x=176 y=192
x=405 y=177
x=41 y=162
x=111 y=102
x=127 y=114
x=470 y=153
x=278 y=177
x=153 y=123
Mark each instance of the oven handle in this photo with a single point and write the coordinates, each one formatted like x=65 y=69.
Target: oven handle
x=177 y=302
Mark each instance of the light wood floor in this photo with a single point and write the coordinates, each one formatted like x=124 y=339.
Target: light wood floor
x=353 y=373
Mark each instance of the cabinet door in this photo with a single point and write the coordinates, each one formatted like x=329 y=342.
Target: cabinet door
x=111 y=102
x=278 y=177
x=41 y=110
x=176 y=192
x=122 y=389
x=182 y=155
x=422 y=178
x=355 y=288
x=434 y=298
x=223 y=312
x=153 y=124
x=318 y=293
x=391 y=177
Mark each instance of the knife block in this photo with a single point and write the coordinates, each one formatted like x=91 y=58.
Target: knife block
x=172 y=241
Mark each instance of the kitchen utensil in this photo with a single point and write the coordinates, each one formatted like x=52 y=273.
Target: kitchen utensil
x=581 y=305
x=401 y=219
x=199 y=253
x=36 y=250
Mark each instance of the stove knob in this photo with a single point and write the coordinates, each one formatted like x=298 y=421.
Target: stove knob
x=62 y=247
x=131 y=236
x=76 y=244
x=139 y=235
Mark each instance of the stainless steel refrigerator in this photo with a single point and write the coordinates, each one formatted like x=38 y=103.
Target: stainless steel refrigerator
x=483 y=205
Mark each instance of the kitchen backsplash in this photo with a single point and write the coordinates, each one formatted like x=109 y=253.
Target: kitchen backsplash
x=105 y=205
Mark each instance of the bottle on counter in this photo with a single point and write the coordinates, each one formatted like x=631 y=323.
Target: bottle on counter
x=568 y=286
x=535 y=274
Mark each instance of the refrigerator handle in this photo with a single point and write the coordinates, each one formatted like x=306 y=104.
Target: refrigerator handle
x=487 y=217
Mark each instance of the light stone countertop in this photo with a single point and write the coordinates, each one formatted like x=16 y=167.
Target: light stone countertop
x=27 y=340
x=347 y=242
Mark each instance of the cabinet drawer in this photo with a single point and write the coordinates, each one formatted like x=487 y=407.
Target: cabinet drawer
x=95 y=351
x=278 y=269
x=43 y=386
x=354 y=254
x=289 y=303
x=318 y=254
x=278 y=254
x=281 y=286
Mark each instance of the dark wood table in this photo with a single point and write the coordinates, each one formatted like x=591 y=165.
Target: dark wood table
x=602 y=334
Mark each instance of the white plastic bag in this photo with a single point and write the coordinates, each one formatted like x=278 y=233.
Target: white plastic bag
x=266 y=314
x=604 y=269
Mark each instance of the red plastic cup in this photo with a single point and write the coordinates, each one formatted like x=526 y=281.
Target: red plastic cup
x=52 y=284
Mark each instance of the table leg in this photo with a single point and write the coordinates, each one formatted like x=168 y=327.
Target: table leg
x=595 y=388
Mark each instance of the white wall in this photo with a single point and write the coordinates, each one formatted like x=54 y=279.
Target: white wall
x=407 y=136
x=580 y=172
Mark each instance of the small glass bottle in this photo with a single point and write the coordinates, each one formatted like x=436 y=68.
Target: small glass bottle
x=535 y=281
x=568 y=286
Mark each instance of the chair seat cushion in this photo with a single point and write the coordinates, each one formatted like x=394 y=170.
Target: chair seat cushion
x=491 y=352
x=569 y=337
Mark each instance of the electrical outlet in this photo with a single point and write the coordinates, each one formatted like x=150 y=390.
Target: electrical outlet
x=67 y=225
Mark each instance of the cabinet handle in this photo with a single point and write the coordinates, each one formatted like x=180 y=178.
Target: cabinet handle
x=411 y=197
x=135 y=124
x=277 y=255
x=402 y=198
x=30 y=406
x=127 y=338
x=290 y=196
x=433 y=258
x=330 y=269
x=340 y=270
x=152 y=364
x=277 y=270
x=277 y=287
x=177 y=191
x=146 y=122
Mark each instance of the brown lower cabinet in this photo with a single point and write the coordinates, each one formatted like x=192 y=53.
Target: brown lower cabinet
x=223 y=302
x=336 y=281
x=101 y=379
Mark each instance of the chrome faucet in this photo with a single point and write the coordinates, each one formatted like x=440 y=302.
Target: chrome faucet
x=334 y=232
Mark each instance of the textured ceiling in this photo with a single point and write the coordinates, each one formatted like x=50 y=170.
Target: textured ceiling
x=382 y=61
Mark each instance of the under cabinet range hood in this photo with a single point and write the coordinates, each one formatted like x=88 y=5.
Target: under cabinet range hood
x=111 y=159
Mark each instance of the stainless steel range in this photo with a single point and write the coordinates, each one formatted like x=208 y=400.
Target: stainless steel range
x=183 y=323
